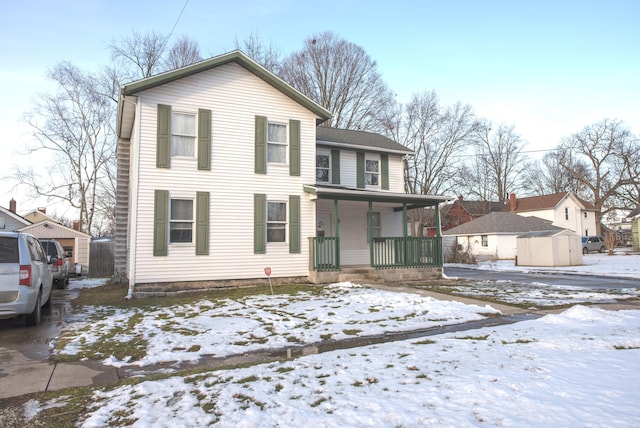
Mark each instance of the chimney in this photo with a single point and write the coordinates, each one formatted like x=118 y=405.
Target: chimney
x=460 y=198
x=76 y=225
x=43 y=210
x=512 y=202
x=12 y=205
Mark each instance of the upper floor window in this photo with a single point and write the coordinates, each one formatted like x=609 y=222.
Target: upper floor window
x=183 y=134
x=585 y=214
x=276 y=143
x=276 y=221
x=566 y=213
x=372 y=172
x=181 y=221
x=323 y=168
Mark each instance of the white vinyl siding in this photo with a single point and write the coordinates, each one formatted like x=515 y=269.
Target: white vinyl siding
x=235 y=97
x=348 y=171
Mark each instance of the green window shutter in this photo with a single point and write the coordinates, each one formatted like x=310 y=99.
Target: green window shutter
x=202 y=223
x=360 y=170
x=294 y=224
x=259 y=224
x=204 y=140
x=335 y=166
x=384 y=171
x=261 y=145
x=160 y=222
x=163 y=157
x=294 y=148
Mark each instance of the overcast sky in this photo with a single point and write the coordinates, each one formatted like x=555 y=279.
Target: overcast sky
x=547 y=67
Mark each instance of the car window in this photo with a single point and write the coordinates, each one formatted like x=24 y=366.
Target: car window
x=9 y=250
x=35 y=249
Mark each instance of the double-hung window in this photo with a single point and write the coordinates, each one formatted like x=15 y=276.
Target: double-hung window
x=485 y=240
x=372 y=172
x=183 y=134
x=276 y=143
x=323 y=168
x=181 y=221
x=276 y=221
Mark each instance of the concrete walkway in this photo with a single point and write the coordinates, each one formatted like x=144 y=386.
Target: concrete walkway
x=22 y=375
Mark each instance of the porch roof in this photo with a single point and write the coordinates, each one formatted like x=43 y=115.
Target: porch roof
x=345 y=194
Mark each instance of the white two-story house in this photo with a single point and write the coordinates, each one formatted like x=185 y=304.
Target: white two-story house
x=223 y=171
x=564 y=210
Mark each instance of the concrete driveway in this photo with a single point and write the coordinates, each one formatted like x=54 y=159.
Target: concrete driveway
x=25 y=366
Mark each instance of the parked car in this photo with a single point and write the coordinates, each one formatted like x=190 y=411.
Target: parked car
x=25 y=277
x=60 y=267
x=593 y=243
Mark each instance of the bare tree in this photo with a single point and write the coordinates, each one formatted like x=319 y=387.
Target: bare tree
x=267 y=56
x=554 y=174
x=74 y=125
x=610 y=153
x=341 y=77
x=183 y=52
x=437 y=135
x=142 y=52
x=500 y=152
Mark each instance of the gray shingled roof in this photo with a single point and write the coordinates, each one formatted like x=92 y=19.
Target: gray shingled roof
x=358 y=139
x=501 y=222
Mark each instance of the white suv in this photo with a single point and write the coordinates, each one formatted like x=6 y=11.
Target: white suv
x=25 y=277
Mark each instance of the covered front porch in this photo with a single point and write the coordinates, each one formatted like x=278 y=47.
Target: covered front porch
x=362 y=236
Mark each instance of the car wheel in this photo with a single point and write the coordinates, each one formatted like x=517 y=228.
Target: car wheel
x=584 y=250
x=602 y=249
x=33 y=318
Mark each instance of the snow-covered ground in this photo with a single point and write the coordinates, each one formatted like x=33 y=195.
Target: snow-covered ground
x=577 y=368
x=580 y=368
x=620 y=264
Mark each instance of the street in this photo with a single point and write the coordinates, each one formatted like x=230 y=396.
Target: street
x=586 y=281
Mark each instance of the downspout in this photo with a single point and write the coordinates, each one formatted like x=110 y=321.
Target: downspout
x=370 y=232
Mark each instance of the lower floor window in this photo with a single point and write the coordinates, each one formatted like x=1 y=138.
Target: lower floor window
x=276 y=221
x=376 y=225
x=485 y=240
x=181 y=221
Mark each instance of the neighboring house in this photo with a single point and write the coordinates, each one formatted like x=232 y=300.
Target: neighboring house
x=564 y=210
x=76 y=244
x=461 y=211
x=223 y=172
x=10 y=220
x=493 y=236
x=634 y=217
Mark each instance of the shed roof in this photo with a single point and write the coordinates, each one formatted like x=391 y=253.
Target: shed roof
x=546 y=233
x=501 y=223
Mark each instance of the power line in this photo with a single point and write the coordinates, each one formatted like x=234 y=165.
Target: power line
x=175 y=24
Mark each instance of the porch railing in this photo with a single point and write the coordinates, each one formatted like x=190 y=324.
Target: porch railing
x=386 y=253
x=412 y=251
x=326 y=253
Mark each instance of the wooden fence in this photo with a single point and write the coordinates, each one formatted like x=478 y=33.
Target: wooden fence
x=101 y=258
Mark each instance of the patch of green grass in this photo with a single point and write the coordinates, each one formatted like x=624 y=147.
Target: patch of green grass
x=285 y=369
x=252 y=378
x=473 y=337
x=519 y=341
x=319 y=401
x=425 y=342
x=326 y=337
x=625 y=348
x=351 y=332
x=279 y=387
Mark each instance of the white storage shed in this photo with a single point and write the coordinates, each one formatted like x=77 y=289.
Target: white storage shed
x=549 y=248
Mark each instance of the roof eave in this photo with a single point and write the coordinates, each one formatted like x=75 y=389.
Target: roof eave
x=244 y=61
